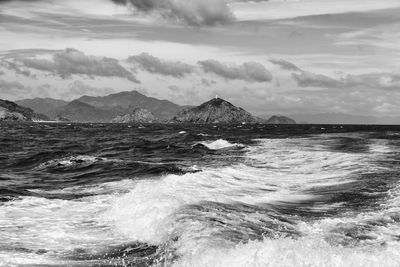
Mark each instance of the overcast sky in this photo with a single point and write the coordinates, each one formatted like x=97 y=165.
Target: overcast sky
x=277 y=56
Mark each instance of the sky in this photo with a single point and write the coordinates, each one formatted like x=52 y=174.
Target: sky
x=269 y=57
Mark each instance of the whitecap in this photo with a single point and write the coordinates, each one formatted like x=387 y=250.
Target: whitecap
x=73 y=161
x=303 y=252
x=220 y=144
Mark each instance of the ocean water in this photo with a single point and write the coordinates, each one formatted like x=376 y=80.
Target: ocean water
x=175 y=195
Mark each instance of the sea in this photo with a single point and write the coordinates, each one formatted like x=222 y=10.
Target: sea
x=199 y=195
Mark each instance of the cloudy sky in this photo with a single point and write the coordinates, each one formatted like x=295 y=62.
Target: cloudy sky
x=276 y=56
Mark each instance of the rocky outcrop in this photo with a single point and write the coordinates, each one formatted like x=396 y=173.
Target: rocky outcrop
x=215 y=111
x=6 y=115
x=10 y=111
x=280 y=120
x=138 y=115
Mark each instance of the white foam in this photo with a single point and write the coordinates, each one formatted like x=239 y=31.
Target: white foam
x=284 y=172
x=155 y=211
x=147 y=213
x=304 y=252
x=74 y=161
x=220 y=144
x=56 y=226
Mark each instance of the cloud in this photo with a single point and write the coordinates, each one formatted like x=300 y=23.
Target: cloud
x=16 y=68
x=13 y=89
x=155 y=65
x=248 y=71
x=207 y=83
x=191 y=12
x=387 y=81
x=71 y=61
x=175 y=88
x=78 y=88
x=286 y=65
x=309 y=79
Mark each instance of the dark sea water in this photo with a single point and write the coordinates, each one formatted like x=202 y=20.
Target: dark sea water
x=174 y=195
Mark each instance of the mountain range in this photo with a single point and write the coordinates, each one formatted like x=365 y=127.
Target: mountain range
x=134 y=107
x=102 y=108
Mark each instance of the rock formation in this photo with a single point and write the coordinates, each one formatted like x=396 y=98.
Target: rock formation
x=10 y=111
x=138 y=115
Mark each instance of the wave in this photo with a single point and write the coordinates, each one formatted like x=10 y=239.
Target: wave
x=292 y=252
x=286 y=176
x=224 y=206
x=259 y=212
x=220 y=144
x=74 y=161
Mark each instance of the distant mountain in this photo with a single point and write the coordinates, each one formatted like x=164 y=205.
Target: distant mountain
x=216 y=111
x=138 y=115
x=78 y=111
x=121 y=102
x=280 y=120
x=10 y=111
x=46 y=106
x=341 y=118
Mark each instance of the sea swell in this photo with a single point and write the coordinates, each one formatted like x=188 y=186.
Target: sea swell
x=309 y=200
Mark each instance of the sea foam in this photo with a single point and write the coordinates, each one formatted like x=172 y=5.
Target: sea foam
x=220 y=144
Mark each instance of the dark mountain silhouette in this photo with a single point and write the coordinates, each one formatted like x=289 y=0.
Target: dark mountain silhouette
x=121 y=102
x=46 y=106
x=216 y=110
x=10 y=111
x=78 y=111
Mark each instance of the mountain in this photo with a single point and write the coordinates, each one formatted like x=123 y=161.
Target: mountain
x=216 y=110
x=138 y=115
x=280 y=120
x=121 y=102
x=10 y=111
x=78 y=111
x=46 y=106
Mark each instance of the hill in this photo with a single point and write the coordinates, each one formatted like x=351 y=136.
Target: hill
x=280 y=120
x=216 y=110
x=10 y=111
x=78 y=111
x=46 y=106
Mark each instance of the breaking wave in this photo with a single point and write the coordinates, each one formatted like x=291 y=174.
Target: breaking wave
x=323 y=200
x=220 y=144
